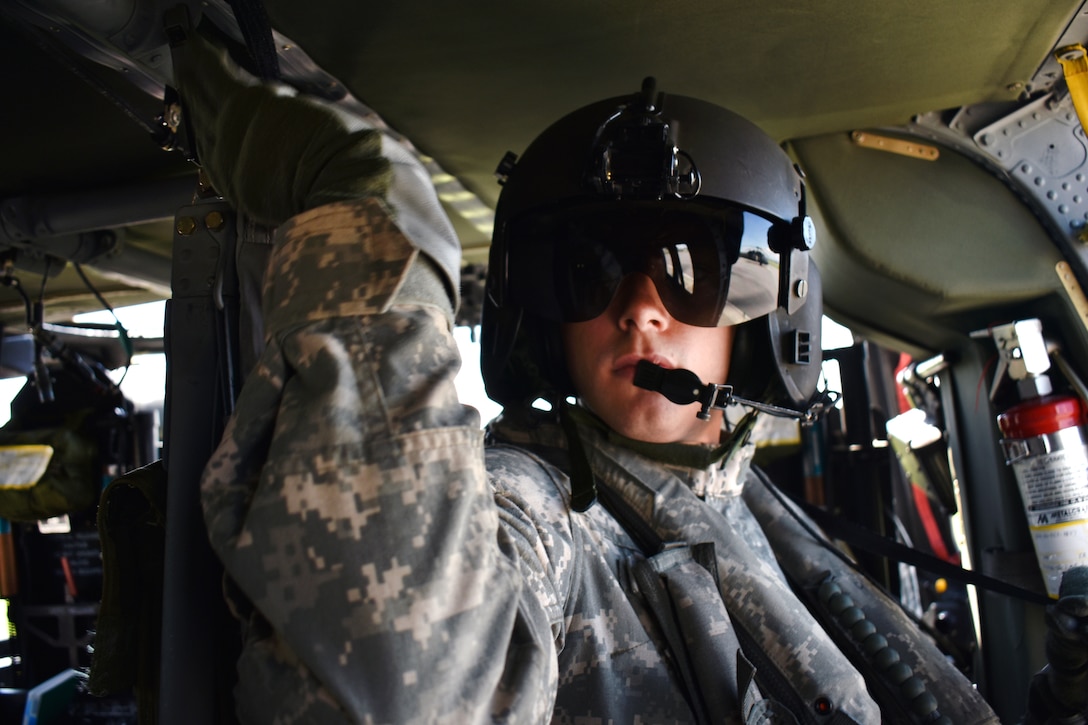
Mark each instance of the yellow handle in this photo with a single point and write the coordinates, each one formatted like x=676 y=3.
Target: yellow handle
x=1074 y=60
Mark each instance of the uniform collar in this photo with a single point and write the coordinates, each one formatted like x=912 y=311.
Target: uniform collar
x=711 y=471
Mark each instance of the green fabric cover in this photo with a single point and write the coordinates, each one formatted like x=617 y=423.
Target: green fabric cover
x=132 y=530
x=70 y=482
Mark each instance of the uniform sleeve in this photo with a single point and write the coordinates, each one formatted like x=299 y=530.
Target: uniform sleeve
x=349 y=504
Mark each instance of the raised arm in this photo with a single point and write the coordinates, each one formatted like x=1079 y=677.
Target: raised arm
x=348 y=499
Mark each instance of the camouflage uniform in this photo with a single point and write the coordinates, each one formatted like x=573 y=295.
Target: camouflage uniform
x=388 y=570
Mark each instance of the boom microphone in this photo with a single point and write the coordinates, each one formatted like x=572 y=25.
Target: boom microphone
x=684 y=387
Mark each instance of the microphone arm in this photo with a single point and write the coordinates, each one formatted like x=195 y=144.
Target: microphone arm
x=684 y=387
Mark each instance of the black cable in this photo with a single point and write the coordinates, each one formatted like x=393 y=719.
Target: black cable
x=860 y=536
x=9 y=281
x=41 y=379
x=126 y=343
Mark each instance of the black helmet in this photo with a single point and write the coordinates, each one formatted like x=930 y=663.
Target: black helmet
x=590 y=201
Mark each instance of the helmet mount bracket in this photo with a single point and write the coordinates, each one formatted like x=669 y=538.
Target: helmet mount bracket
x=635 y=156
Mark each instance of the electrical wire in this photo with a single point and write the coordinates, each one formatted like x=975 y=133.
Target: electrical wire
x=8 y=280
x=126 y=342
x=40 y=377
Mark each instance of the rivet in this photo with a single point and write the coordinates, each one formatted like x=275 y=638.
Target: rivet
x=186 y=226
x=214 y=220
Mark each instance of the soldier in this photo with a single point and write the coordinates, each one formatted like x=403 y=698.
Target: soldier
x=609 y=559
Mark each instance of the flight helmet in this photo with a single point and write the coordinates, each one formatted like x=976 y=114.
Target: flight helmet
x=689 y=193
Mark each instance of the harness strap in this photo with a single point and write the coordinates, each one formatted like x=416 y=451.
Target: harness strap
x=653 y=589
x=257 y=32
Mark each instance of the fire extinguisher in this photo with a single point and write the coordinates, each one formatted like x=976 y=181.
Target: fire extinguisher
x=1045 y=441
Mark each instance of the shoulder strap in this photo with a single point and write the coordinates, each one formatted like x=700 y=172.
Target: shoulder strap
x=257 y=32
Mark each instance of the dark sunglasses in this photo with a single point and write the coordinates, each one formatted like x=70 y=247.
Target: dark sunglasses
x=709 y=269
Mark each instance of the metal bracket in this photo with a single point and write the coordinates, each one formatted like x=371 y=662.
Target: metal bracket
x=1042 y=146
x=204 y=241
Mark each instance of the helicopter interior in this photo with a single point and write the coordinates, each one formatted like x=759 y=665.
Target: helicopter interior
x=947 y=175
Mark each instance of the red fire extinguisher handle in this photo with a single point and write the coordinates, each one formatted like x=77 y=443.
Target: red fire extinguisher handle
x=1042 y=416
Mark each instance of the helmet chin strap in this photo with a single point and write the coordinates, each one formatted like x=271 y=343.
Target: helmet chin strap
x=684 y=387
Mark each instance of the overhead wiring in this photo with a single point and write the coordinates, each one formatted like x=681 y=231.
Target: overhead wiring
x=126 y=342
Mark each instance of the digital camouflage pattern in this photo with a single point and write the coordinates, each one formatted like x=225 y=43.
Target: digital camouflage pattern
x=389 y=570
x=684 y=507
x=910 y=676
x=348 y=500
x=384 y=571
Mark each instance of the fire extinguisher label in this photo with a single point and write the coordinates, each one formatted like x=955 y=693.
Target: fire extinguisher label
x=1054 y=489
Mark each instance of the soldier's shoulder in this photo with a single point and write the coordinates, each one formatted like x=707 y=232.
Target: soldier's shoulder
x=528 y=476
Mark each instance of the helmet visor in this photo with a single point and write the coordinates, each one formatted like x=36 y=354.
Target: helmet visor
x=710 y=269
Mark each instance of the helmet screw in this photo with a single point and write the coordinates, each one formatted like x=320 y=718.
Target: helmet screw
x=808 y=234
x=801 y=288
